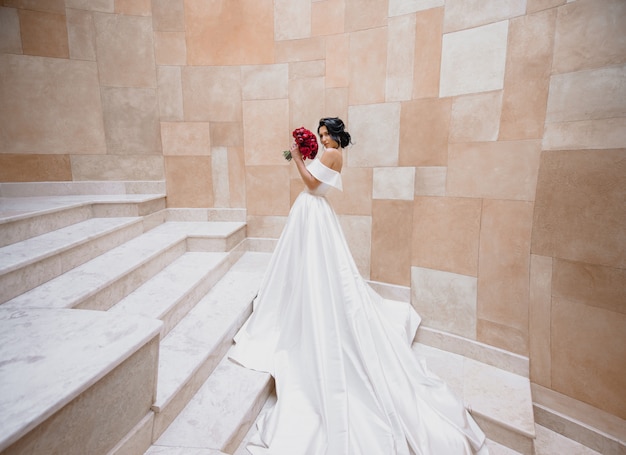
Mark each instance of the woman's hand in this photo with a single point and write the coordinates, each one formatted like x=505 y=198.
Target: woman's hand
x=295 y=151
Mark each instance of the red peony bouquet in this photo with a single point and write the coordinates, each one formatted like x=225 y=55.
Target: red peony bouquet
x=307 y=144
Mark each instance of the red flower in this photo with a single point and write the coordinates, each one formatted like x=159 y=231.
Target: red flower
x=307 y=143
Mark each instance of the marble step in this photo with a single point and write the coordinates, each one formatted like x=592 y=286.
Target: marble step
x=25 y=217
x=500 y=401
x=171 y=293
x=73 y=382
x=581 y=423
x=105 y=280
x=220 y=413
x=192 y=349
x=31 y=262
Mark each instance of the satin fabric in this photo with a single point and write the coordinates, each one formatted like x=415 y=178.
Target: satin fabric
x=347 y=382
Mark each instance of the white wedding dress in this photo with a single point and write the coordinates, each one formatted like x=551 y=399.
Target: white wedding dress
x=347 y=382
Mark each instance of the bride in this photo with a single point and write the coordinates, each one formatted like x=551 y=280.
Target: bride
x=347 y=382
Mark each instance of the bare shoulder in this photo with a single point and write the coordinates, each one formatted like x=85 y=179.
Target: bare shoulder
x=333 y=159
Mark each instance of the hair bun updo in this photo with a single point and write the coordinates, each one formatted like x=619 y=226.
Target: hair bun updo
x=336 y=130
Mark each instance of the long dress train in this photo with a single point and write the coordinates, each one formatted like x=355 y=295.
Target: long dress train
x=347 y=382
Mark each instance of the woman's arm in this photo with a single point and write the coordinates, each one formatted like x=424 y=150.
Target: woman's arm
x=308 y=179
x=332 y=159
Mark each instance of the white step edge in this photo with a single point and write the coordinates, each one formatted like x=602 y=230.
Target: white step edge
x=172 y=292
x=222 y=411
x=500 y=401
x=190 y=352
x=579 y=421
x=62 y=353
x=27 y=264
x=80 y=286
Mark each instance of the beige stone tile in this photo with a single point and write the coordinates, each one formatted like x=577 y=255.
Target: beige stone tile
x=131 y=120
x=10 y=39
x=446 y=234
x=400 y=55
x=260 y=82
x=44 y=33
x=585 y=134
x=540 y=304
x=358 y=233
x=328 y=17
x=292 y=19
x=372 y=125
x=529 y=59
x=587 y=95
x=170 y=48
x=34 y=168
x=601 y=23
x=368 y=56
x=117 y=167
x=300 y=50
x=427 y=60
x=464 y=14
x=400 y=7
x=169 y=82
x=134 y=7
x=467 y=126
x=227 y=133
x=495 y=170
x=430 y=180
x=338 y=61
x=588 y=355
x=306 y=103
x=504 y=264
x=267 y=190
x=104 y=6
x=445 y=300
x=394 y=183
x=424 y=130
x=113 y=33
x=209 y=27
x=168 y=15
x=391 y=241
x=212 y=93
x=186 y=138
x=337 y=104
x=365 y=14
x=593 y=285
x=68 y=118
x=474 y=60
x=236 y=177
x=356 y=197
x=189 y=182
x=502 y=336
x=579 y=212
x=81 y=35
x=298 y=70
x=220 y=177
x=265 y=226
x=266 y=131
x=533 y=6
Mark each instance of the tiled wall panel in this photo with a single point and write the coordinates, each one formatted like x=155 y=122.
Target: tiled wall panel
x=477 y=125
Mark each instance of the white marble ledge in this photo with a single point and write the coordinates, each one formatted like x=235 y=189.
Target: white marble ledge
x=200 y=228
x=64 y=188
x=49 y=357
x=17 y=208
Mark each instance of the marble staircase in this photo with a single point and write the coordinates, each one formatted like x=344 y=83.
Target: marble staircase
x=116 y=315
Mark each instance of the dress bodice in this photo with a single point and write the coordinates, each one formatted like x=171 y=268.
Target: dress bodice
x=328 y=177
